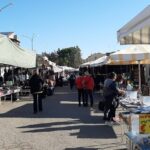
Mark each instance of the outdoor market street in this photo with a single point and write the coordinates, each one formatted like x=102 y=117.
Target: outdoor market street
x=62 y=125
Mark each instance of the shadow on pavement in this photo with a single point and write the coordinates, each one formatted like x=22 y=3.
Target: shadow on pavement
x=83 y=131
x=64 y=105
x=114 y=147
x=57 y=106
x=81 y=148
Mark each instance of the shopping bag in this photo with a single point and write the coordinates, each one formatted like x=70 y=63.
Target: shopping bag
x=101 y=105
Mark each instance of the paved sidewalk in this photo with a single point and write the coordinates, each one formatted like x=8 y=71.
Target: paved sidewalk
x=62 y=125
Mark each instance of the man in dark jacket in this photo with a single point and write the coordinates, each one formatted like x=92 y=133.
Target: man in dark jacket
x=36 y=84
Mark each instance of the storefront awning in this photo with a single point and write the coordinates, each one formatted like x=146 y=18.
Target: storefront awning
x=136 y=31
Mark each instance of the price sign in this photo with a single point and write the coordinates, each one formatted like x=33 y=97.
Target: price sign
x=144 y=123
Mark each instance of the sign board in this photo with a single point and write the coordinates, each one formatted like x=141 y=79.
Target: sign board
x=144 y=123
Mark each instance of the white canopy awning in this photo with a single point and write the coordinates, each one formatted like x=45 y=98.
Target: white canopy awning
x=99 y=62
x=45 y=58
x=86 y=64
x=136 y=31
x=66 y=68
x=51 y=63
x=12 y=54
x=57 y=69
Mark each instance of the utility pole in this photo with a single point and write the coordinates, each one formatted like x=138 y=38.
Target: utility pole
x=31 y=39
x=5 y=6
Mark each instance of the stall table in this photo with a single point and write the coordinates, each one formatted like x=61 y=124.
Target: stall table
x=136 y=109
x=10 y=93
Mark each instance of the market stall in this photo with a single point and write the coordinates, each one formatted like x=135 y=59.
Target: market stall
x=99 y=62
x=137 y=31
x=136 y=116
x=138 y=54
x=12 y=56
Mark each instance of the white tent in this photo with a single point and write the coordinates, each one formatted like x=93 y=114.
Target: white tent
x=45 y=58
x=100 y=61
x=12 y=54
x=66 y=68
x=136 y=31
x=86 y=64
x=134 y=54
x=57 y=69
x=51 y=63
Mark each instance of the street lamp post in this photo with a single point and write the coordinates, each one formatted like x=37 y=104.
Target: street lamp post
x=31 y=39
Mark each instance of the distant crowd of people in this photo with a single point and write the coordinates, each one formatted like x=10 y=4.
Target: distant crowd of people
x=84 y=84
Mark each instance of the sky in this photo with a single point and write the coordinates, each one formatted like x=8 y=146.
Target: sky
x=90 y=24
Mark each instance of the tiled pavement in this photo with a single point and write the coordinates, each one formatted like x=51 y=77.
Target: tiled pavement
x=63 y=125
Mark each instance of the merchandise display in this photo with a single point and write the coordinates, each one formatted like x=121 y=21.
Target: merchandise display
x=137 y=118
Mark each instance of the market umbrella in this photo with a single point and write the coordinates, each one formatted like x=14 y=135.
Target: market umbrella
x=136 y=54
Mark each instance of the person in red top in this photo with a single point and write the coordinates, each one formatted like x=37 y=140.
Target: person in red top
x=88 y=85
x=79 y=86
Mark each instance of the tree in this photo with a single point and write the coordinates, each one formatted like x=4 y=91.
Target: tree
x=77 y=57
x=70 y=56
x=53 y=57
x=66 y=57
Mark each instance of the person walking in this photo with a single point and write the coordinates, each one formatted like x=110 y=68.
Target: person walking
x=79 y=86
x=72 y=81
x=88 y=85
x=36 y=84
x=110 y=92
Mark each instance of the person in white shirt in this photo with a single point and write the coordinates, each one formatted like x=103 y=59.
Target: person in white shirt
x=129 y=86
